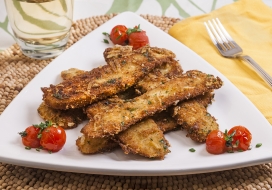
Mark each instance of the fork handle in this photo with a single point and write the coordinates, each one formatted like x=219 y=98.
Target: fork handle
x=266 y=77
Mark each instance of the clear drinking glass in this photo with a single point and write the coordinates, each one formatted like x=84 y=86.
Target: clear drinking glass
x=41 y=27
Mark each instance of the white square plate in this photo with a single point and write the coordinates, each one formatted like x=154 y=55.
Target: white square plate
x=231 y=108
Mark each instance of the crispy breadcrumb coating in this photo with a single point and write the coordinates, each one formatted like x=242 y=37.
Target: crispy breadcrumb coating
x=67 y=119
x=122 y=71
x=119 y=115
x=193 y=116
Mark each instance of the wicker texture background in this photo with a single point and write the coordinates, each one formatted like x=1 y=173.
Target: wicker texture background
x=16 y=71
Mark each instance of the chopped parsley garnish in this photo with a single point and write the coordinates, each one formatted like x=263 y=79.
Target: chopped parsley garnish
x=106 y=41
x=135 y=29
x=106 y=34
x=259 y=145
x=111 y=81
x=23 y=133
x=192 y=150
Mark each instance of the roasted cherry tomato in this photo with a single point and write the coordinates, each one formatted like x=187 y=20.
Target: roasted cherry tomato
x=53 y=138
x=119 y=35
x=30 y=137
x=215 y=142
x=138 y=39
x=240 y=138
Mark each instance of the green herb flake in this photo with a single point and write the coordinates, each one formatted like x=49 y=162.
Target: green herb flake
x=106 y=34
x=135 y=29
x=23 y=133
x=39 y=136
x=162 y=141
x=132 y=109
x=192 y=150
x=111 y=81
x=229 y=138
x=57 y=95
x=27 y=148
x=146 y=54
x=259 y=145
x=106 y=41
x=118 y=37
x=237 y=143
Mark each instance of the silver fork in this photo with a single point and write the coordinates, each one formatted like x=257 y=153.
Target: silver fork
x=229 y=48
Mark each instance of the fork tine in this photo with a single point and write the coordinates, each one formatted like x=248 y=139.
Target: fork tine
x=227 y=44
x=220 y=33
x=224 y=30
x=210 y=33
x=229 y=39
x=216 y=39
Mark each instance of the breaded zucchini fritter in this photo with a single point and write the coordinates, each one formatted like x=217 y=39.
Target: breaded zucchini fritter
x=192 y=115
x=67 y=119
x=121 y=73
x=88 y=145
x=144 y=138
x=122 y=114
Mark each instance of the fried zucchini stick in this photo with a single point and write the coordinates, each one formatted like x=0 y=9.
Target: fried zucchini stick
x=192 y=115
x=120 y=115
x=67 y=119
x=144 y=138
x=88 y=145
x=164 y=121
x=123 y=71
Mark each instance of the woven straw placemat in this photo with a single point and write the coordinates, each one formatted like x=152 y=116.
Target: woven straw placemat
x=16 y=71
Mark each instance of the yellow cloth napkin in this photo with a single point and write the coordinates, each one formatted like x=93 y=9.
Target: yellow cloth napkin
x=249 y=22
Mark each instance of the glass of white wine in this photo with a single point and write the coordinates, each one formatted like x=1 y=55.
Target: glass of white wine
x=41 y=27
